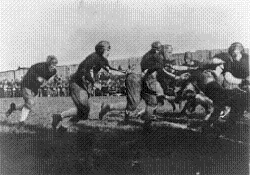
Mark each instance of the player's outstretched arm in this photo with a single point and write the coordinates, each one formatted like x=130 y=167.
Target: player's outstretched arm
x=231 y=79
x=108 y=68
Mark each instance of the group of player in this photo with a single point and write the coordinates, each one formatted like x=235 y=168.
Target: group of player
x=234 y=66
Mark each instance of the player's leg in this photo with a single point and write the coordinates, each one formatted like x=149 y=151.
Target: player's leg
x=57 y=118
x=29 y=98
x=13 y=107
x=133 y=98
x=107 y=107
x=148 y=116
x=150 y=109
x=81 y=110
x=238 y=101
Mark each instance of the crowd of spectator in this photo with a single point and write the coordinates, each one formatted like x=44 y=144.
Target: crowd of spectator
x=10 y=88
x=59 y=87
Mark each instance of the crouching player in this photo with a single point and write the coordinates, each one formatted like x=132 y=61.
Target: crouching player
x=37 y=75
x=81 y=86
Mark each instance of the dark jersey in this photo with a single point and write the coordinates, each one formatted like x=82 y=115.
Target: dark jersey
x=93 y=61
x=239 y=69
x=152 y=61
x=30 y=80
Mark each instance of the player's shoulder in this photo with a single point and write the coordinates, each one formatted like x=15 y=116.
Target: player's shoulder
x=146 y=55
x=91 y=57
x=223 y=56
x=38 y=66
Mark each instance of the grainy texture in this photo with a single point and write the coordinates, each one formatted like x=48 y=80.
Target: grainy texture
x=111 y=147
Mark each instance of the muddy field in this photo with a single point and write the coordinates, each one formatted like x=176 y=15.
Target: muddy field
x=112 y=147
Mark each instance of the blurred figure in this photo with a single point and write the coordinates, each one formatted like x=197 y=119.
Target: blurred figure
x=5 y=88
x=37 y=75
x=2 y=89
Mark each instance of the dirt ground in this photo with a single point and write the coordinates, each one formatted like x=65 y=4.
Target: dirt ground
x=112 y=147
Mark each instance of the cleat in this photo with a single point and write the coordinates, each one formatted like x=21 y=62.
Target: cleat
x=56 y=118
x=11 y=109
x=105 y=108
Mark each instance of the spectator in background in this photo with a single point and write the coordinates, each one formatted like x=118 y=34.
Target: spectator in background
x=5 y=88
x=1 y=89
x=188 y=61
x=18 y=88
x=34 y=78
x=13 y=91
x=45 y=91
x=66 y=89
x=40 y=92
x=58 y=91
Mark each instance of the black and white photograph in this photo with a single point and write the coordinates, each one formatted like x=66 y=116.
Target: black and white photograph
x=125 y=87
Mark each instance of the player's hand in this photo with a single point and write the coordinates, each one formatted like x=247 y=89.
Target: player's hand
x=185 y=76
x=193 y=68
x=40 y=79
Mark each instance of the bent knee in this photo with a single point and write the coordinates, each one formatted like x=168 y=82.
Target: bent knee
x=83 y=109
x=29 y=104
